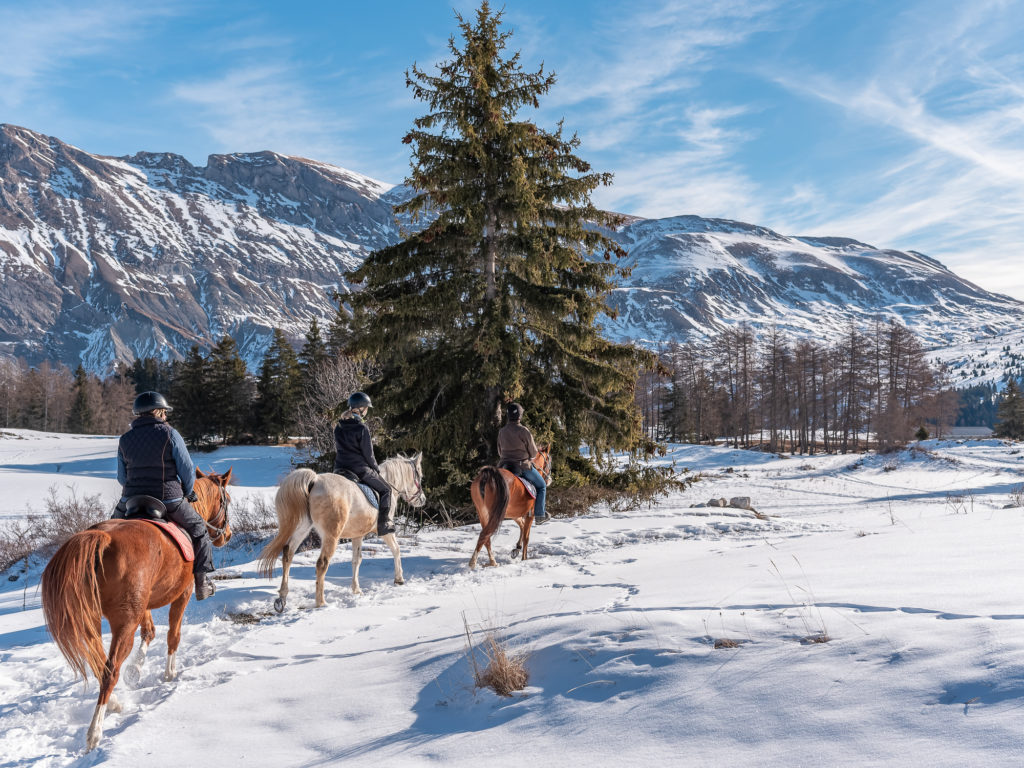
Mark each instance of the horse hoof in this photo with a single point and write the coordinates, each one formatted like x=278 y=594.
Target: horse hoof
x=515 y=553
x=279 y=605
x=399 y=582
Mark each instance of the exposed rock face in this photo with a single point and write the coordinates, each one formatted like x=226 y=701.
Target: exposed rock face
x=107 y=259
x=695 y=276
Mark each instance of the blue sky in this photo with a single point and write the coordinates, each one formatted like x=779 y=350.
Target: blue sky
x=897 y=123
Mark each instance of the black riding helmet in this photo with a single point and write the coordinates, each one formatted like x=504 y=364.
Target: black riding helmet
x=515 y=412
x=150 y=401
x=359 y=400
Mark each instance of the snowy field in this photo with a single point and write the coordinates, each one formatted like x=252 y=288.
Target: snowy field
x=908 y=563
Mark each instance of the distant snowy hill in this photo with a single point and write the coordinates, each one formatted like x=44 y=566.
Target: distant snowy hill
x=107 y=259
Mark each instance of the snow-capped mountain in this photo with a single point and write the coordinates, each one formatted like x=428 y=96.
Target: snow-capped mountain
x=106 y=259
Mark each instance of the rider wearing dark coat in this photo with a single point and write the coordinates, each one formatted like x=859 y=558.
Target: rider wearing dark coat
x=354 y=454
x=516 y=451
x=152 y=460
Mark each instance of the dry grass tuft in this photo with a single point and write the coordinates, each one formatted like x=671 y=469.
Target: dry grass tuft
x=821 y=637
x=727 y=642
x=504 y=672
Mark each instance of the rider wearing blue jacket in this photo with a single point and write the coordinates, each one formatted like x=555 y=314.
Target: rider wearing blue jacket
x=152 y=460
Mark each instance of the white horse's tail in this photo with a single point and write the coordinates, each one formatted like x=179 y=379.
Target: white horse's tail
x=292 y=505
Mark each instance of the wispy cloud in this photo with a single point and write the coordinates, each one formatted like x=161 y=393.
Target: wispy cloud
x=40 y=40
x=266 y=107
x=955 y=98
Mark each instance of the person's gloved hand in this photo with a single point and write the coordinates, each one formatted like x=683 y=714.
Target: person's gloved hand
x=192 y=497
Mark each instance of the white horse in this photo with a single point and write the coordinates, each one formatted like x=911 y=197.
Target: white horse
x=337 y=509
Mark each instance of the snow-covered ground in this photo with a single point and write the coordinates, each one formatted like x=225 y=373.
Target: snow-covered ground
x=909 y=563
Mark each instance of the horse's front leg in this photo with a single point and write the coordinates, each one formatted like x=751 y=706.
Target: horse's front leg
x=122 y=636
x=133 y=671
x=392 y=541
x=174 y=617
x=525 y=538
x=357 y=558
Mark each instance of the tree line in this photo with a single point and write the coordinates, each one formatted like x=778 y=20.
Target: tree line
x=873 y=387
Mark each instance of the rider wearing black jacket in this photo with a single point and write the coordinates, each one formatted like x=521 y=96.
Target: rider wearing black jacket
x=354 y=453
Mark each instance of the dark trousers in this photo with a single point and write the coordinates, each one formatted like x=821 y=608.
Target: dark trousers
x=384 y=522
x=181 y=512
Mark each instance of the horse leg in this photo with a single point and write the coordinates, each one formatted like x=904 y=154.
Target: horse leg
x=329 y=542
x=392 y=541
x=133 y=671
x=357 y=558
x=123 y=633
x=526 y=534
x=174 y=617
x=519 y=544
x=287 y=555
x=479 y=545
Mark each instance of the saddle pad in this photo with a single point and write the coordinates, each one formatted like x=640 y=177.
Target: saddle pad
x=370 y=495
x=182 y=539
x=528 y=486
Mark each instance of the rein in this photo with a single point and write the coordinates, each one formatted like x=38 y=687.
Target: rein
x=222 y=515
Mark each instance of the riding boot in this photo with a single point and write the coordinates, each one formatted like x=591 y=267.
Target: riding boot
x=384 y=524
x=204 y=586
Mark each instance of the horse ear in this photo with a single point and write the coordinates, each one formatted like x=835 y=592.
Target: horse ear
x=199 y=473
x=227 y=475
x=546 y=448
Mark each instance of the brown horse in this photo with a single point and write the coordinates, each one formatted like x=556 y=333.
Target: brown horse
x=498 y=495
x=121 y=570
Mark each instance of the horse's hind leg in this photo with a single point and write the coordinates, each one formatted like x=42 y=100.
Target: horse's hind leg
x=174 y=617
x=392 y=541
x=133 y=670
x=329 y=542
x=123 y=633
x=287 y=555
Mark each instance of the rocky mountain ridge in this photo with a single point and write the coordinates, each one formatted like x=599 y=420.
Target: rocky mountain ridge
x=105 y=259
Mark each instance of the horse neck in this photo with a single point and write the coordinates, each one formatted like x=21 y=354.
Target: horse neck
x=208 y=490
x=395 y=470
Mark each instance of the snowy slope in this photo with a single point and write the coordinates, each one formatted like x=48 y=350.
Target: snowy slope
x=907 y=562
x=108 y=259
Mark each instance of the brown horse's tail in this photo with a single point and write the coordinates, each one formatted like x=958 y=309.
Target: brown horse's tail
x=71 y=600
x=292 y=505
x=490 y=477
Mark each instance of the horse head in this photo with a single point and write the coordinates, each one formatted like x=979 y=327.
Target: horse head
x=213 y=504
x=412 y=481
x=542 y=463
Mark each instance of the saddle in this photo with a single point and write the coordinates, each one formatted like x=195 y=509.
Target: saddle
x=512 y=466
x=154 y=511
x=368 y=492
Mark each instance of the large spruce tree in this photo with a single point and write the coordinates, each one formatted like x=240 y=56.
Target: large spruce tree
x=495 y=298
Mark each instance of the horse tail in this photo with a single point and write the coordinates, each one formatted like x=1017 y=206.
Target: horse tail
x=71 y=600
x=292 y=505
x=491 y=477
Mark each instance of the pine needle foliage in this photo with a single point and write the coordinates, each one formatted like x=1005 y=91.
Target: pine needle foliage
x=495 y=297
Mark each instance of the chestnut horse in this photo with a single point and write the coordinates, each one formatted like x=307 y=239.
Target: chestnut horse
x=498 y=495
x=121 y=570
x=337 y=509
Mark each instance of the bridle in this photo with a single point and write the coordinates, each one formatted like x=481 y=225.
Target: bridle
x=216 y=528
x=410 y=498
x=546 y=471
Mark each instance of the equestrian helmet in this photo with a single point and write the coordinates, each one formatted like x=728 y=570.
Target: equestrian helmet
x=359 y=400
x=150 y=401
x=515 y=412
